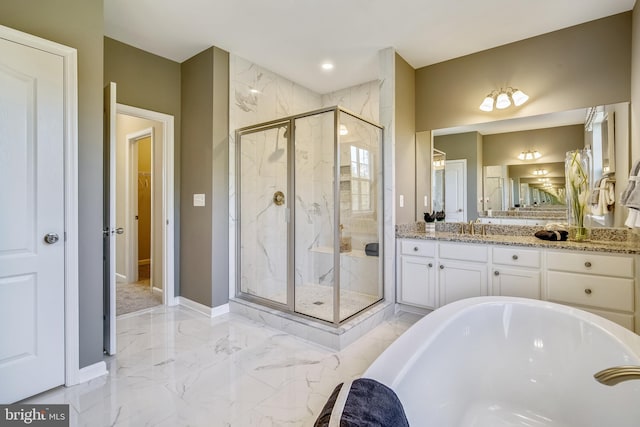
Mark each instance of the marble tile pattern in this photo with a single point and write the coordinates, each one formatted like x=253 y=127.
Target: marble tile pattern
x=258 y=95
x=603 y=239
x=176 y=367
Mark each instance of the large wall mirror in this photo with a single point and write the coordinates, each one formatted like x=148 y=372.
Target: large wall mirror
x=498 y=178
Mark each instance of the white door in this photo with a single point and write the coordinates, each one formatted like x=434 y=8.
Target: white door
x=455 y=190
x=32 y=248
x=109 y=217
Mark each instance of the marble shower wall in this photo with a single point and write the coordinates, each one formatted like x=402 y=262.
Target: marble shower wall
x=258 y=95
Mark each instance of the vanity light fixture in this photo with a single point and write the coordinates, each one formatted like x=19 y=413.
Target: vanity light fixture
x=503 y=98
x=540 y=172
x=529 y=155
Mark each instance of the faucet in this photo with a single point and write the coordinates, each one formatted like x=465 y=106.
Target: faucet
x=472 y=230
x=617 y=374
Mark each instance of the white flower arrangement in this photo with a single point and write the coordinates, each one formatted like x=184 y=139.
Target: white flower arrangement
x=578 y=192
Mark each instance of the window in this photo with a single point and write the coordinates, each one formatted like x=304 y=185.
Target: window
x=361 y=179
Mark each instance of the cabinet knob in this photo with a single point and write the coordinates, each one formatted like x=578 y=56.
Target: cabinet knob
x=496 y=273
x=441 y=267
x=415 y=249
x=514 y=257
x=587 y=291
x=587 y=264
x=430 y=264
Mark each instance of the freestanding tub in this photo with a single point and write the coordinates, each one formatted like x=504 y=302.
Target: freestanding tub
x=501 y=361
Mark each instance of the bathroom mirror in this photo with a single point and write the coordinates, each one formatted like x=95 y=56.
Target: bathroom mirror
x=497 y=144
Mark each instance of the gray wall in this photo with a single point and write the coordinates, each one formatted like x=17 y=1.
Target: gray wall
x=466 y=146
x=148 y=81
x=581 y=66
x=204 y=242
x=78 y=24
x=405 y=129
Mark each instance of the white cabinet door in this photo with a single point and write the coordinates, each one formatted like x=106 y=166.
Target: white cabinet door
x=459 y=280
x=417 y=282
x=32 y=247
x=515 y=282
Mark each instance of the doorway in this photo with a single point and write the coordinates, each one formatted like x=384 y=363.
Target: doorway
x=133 y=125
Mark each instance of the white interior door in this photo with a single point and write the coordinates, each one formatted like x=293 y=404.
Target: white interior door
x=32 y=235
x=109 y=230
x=455 y=190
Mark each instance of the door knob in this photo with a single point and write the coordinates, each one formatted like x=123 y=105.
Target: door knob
x=278 y=198
x=119 y=230
x=51 y=238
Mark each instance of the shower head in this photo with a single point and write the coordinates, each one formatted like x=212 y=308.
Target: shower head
x=278 y=151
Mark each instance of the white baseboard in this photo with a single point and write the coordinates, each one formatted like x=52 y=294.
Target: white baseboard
x=157 y=291
x=92 y=371
x=203 y=309
x=144 y=261
x=121 y=278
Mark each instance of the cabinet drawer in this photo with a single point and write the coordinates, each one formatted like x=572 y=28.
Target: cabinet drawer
x=418 y=248
x=610 y=293
x=464 y=252
x=586 y=262
x=515 y=256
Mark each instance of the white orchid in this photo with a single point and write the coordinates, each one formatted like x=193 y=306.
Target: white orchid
x=578 y=188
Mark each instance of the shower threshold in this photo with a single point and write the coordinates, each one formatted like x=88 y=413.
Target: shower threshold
x=317 y=331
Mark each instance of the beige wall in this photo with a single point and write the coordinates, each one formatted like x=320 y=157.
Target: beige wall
x=405 y=130
x=144 y=199
x=581 y=66
x=552 y=143
x=78 y=24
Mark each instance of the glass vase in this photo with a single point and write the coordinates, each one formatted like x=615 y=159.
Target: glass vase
x=578 y=176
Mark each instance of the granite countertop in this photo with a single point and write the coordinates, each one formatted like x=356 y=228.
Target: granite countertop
x=625 y=247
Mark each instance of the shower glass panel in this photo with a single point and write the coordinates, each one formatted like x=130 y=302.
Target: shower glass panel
x=264 y=201
x=314 y=215
x=360 y=227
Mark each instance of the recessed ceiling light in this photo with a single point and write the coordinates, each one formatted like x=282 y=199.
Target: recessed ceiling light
x=252 y=90
x=327 y=66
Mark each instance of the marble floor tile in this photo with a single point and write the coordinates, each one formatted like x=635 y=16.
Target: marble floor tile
x=175 y=367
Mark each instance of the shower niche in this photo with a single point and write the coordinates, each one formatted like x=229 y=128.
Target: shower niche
x=310 y=214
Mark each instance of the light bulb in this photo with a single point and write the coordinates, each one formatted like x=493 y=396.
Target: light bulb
x=519 y=97
x=487 y=104
x=536 y=154
x=502 y=101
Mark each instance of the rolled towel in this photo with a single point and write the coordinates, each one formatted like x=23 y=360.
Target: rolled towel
x=360 y=403
x=631 y=186
x=555 y=236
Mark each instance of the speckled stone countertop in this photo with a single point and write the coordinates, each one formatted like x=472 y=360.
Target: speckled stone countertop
x=629 y=246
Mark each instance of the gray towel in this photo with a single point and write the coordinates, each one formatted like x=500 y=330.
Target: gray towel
x=628 y=198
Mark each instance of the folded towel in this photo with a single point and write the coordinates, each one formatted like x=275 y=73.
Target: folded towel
x=606 y=198
x=363 y=402
x=631 y=186
x=633 y=219
x=594 y=198
x=552 y=235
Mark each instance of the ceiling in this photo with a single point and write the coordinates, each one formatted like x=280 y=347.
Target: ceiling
x=294 y=37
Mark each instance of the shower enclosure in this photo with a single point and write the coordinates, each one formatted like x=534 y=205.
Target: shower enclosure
x=310 y=214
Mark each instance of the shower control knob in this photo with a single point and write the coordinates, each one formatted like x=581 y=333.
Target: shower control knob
x=514 y=257
x=587 y=264
x=587 y=291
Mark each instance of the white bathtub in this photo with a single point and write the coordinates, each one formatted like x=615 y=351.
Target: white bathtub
x=500 y=361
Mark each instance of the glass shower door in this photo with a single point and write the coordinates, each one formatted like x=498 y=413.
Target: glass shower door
x=264 y=212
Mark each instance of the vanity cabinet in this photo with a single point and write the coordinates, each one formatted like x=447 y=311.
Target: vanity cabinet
x=602 y=284
x=462 y=271
x=515 y=272
x=433 y=273
x=416 y=274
